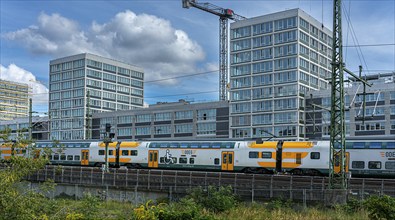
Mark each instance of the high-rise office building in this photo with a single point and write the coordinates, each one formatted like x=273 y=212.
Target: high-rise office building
x=14 y=100
x=84 y=84
x=274 y=60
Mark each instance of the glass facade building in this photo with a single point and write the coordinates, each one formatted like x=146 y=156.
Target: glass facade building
x=84 y=84
x=275 y=60
x=14 y=100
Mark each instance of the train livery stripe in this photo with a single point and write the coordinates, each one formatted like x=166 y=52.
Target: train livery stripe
x=121 y=160
x=292 y=155
x=267 y=164
x=301 y=144
x=268 y=144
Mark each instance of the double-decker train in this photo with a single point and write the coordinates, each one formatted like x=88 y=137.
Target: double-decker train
x=363 y=158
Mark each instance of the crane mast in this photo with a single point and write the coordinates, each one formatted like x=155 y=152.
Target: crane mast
x=224 y=15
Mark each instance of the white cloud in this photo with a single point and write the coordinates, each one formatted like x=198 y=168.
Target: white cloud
x=18 y=74
x=143 y=40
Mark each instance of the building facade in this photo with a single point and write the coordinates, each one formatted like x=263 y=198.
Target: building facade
x=14 y=100
x=84 y=84
x=275 y=60
x=20 y=126
x=166 y=120
x=376 y=121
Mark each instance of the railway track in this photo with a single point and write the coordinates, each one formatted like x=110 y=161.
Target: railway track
x=182 y=181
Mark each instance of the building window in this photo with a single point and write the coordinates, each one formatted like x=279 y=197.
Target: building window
x=184 y=115
x=183 y=128
x=206 y=115
x=162 y=129
x=163 y=116
x=206 y=128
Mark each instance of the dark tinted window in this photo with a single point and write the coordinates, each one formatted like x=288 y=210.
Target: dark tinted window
x=253 y=154
x=315 y=155
x=133 y=152
x=390 y=165
x=216 y=161
x=358 y=164
x=191 y=160
x=77 y=157
x=125 y=152
x=266 y=155
x=56 y=157
x=62 y=157
x=183 y=160
x=374 y=165
x=69 y=157
x=101 y=152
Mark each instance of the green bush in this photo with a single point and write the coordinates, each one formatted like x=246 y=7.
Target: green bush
x=213 y=199
x=278 y=204
x=380 y=207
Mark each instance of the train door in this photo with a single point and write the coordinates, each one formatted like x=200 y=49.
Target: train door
x=85 y=157
x=228 y=160
x=337 y=164
x=153 y=159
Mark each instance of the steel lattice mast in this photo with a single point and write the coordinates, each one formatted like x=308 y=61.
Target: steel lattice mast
x=337 y=155
x=224 y=15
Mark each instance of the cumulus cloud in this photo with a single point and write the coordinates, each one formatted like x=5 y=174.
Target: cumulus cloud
x=143 y=40
x=18 y=74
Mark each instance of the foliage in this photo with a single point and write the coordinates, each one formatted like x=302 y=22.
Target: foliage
x=147 y=211
x=277 y=204
x=213 y=199
x=351 y=206
x=380 y=207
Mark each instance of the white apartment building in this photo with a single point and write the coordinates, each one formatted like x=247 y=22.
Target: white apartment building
x=84 y=84
x=274 y=60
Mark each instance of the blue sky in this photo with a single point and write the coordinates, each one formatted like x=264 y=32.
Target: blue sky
x=167 y=40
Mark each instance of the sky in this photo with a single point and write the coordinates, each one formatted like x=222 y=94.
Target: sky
x=177 y=48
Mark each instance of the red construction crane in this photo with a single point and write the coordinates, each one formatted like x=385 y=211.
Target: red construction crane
x=224 y=15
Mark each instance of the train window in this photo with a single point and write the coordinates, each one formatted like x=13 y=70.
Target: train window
x=77 y=157
x=391 y=145
x=315 y=155
x=359 y=145
x=253 y=154
x=390 y=165
x=125 y=153
x=110 y=152
x=163 y=146
x=191 y=160
x=101 y=152
x=266 y=155
x=62 y=157
x=374 y=165
x=216 y=161
x=215 y=145
x=298 y=158
x=193 y=145
x=174 y=159
x=375 y=145
x=69 y=157
x=133 y=152
x=161 y=159
x=205 y=145
x=184 y=145
x=56 y=157
x=183 y=160
x=173 y=145
x=358 y=164
x=230 y=158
